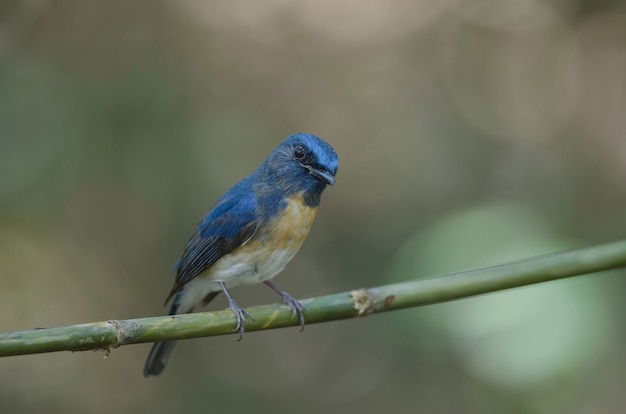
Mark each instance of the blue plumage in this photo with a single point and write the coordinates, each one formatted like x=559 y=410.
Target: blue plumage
x=252 y=232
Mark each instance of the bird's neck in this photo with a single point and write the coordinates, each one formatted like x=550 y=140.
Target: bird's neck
x=285 y=185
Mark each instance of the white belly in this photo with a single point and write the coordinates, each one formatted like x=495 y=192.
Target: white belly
x=233 y=271
x=241 y=269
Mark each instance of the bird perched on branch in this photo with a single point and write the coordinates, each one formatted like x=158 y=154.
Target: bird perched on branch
x=251 y=233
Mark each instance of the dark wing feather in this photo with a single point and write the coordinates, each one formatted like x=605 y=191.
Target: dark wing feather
x=231 y=222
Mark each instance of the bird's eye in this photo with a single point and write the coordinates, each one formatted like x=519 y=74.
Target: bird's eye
x=299 y=151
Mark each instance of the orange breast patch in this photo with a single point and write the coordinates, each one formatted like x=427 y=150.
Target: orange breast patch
x=293 y=224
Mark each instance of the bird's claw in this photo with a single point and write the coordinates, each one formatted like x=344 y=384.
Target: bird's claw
x=240 y=315
x=297 y=309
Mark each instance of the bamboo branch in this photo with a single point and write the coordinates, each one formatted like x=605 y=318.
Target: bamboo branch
x=362 y=302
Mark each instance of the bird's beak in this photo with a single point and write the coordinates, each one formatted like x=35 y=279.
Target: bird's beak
x=320 y=174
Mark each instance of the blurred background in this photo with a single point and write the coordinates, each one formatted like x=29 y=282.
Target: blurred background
x=470 y=133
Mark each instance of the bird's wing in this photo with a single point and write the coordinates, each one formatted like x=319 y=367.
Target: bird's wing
x=231 y=222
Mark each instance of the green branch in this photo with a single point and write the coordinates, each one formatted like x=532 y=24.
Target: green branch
x=362 y=302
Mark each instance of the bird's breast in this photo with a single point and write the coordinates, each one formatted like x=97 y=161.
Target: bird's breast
x=270 y=249
x=280 y=239
x=291 y=225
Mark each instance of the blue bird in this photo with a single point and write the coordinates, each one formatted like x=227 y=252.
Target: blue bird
x=251 y=233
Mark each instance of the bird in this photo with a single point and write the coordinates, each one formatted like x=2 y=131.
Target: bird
x=251 y=233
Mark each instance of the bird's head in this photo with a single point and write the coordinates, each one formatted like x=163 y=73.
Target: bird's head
x=304 y=162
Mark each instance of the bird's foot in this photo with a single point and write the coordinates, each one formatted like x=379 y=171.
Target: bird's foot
x=297 y=308
x=240 y=313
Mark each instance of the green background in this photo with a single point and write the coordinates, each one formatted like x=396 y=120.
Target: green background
x=469 y=133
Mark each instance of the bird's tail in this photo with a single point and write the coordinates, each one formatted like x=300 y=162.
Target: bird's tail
x=162 y=351
x=159 y=355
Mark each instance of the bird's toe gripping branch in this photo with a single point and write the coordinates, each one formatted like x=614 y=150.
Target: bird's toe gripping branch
x=297 y=308
x=240 y=313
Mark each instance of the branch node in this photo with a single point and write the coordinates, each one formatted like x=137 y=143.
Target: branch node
x=364 y=301
x=119 y=333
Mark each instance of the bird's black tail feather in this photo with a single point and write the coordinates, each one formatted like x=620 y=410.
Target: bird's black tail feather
x=162 y=351
x=159 y=355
